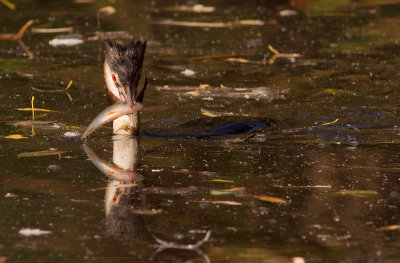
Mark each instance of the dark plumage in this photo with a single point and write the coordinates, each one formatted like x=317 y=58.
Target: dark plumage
x=127 y=62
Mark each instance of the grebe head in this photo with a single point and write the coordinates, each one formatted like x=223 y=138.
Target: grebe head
x=126 y=80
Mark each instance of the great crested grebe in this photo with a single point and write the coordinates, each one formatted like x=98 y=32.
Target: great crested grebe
x=125 y=79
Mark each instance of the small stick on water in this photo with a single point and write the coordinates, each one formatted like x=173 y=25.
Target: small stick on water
x=55 y=90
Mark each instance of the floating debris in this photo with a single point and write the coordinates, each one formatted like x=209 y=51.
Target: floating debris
x=218 y=202
x=18 y=38
x=240 y=60
x=37 y=109
x=10 y=195
x=147 y=212
x=270 y=199
x=221 y=181
x=290 y=56
x=19 y=34
x=107 y=10
x=67 y=40
x=15 y=136
x=227 y=191
x=171 y=245
x=40 y=153
x=70 y=134
x=198 y=8
x=209 y=24
x=65 y=90
x=8 y=4
x=357 y=193
x=171 y=191
x=52 y=30
x=214 y=114
x=339 y=91
x=188 y=72
x=389 y=228
x=33 y=232
x=100 y=35
x=288 y=12
x=205 y=90
x=211 y=56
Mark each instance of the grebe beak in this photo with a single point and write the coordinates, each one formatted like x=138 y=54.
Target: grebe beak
x=111 y=113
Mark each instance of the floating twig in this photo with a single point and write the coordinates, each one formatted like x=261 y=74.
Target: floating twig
x=65 y=90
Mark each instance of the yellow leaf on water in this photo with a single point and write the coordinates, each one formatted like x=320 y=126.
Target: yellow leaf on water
x=270 y=199
x=15 y=136
x=389 y=228
x=40 y=153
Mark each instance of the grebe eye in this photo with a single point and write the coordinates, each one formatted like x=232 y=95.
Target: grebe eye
x=114 y=78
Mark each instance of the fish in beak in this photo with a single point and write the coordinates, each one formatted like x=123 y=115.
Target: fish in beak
x=126 y=80
x=111 y=113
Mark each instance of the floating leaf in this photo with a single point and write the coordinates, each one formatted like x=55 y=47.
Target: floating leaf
x=270 y=199
x=218 y=202
x=361 y=193
x=40 y=153
x=227 y=191
x=15 y=136
x=389 y=228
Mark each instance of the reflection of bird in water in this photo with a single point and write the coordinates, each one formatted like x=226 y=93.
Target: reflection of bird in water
x=126 y=80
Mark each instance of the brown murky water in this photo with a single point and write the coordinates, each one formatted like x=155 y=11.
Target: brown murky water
x=283 y=155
